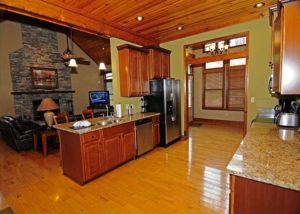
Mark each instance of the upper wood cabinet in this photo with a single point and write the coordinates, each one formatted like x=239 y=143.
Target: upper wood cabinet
x=133 y=70
x=286 y=48
x=159 y=62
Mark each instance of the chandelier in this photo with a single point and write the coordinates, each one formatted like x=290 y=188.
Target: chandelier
x=217 y=47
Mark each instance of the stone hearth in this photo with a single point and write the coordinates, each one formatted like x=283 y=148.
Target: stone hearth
x=40 y=49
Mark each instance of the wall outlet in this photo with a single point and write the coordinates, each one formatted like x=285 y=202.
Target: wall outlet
x=127 y=106
x=132 y=106
x=252 y=99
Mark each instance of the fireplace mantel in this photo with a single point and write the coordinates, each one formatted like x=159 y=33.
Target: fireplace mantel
x=42 y=92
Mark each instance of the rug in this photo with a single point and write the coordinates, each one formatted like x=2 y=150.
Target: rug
x=7 y=210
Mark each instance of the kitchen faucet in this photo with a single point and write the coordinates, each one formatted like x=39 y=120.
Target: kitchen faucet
x=106 y=106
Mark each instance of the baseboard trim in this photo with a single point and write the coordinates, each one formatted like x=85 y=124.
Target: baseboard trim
x=219 y=122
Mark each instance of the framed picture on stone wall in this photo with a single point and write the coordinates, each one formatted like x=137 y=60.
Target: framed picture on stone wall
x=44 y=78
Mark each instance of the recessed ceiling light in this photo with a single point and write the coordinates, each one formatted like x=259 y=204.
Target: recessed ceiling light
x=140 y=18
x=180 y=27
x=259 y=5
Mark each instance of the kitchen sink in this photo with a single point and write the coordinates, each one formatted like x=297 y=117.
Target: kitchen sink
x=105 y=122
x=109 y=122
x=117 y=120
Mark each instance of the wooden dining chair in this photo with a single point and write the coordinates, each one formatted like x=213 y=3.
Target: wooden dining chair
x=60 y=118
x=87 y=113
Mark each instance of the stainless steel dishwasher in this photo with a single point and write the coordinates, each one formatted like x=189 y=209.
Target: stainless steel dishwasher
x=144 y=138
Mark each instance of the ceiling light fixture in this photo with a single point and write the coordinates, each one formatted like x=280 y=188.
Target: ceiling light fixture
x=180 y=27
x=72 y=61
x=102 y=64
x=218 y=47
x=139 y=18
x=259 y=5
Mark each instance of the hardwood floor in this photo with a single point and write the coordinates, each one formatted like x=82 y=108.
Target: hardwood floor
x=187 y=177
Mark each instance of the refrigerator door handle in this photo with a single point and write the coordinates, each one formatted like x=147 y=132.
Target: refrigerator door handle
x=173 y=117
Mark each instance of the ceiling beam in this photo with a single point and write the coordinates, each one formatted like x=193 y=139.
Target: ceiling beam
x=51 y=13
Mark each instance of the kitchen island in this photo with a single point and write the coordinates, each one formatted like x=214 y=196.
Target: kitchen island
x=265 y=171
x=89 y=152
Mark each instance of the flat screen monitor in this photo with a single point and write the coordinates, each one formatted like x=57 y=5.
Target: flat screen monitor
x=98 y=98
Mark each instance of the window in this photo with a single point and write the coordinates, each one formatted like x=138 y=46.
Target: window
x=213 y=89
x=235 y=87
x=107 y=78
x=237 y=62
x=224 y=88
x=237 y=41
x=216 y=64
x=208 y=46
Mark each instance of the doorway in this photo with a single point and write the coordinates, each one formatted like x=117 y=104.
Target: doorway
x=216 y=79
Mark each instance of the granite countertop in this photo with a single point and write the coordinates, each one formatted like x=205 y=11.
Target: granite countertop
x=95 y=126
x=269 y=154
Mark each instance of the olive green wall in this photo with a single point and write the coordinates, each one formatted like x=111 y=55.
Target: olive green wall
x=136 y=101
x=259 y=57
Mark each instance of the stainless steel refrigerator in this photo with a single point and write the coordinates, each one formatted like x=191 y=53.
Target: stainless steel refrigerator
x=165 y=99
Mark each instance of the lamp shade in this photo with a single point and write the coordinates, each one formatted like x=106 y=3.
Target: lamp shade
x=72 y=63
x=102 y=66
x=47 y=104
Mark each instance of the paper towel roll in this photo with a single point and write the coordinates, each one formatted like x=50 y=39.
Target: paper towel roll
x=119 y=110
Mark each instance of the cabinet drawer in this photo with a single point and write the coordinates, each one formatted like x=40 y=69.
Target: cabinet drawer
x=115 y=130
x=91 y=136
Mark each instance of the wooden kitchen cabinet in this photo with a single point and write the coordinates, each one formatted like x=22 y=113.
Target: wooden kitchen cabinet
x=133 y=70
x=90 y=153
x=129 y=150
x=159 y=62
x=86 y=156
x=286 y=48
x=248 y=196
x=91 y=160
x=155 y=131
x=112 y=151
x=118 y=145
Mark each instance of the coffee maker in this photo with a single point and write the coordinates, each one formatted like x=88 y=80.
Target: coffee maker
x=284 y=106
x=286 y=113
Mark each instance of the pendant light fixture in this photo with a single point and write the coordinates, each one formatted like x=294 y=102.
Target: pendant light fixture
x=72 y=61
x=101 y=64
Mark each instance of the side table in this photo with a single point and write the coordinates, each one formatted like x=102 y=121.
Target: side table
x=44 y=135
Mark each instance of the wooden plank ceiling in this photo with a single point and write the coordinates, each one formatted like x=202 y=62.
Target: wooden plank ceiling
x=94 y=46
x=116 y=18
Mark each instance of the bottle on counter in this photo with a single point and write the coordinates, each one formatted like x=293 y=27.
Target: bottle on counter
x=130 y=110
x=119 y=110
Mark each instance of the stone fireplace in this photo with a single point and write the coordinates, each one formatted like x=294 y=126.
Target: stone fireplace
x=40 y=49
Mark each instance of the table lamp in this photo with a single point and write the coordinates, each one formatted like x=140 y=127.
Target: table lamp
x=47 y=105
